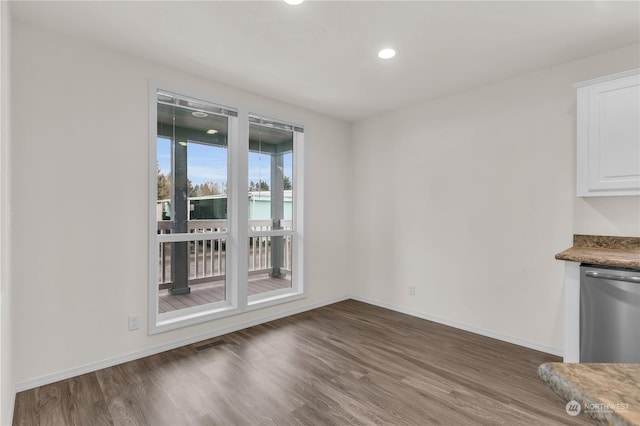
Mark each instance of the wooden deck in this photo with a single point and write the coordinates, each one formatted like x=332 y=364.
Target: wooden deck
x=212 y=292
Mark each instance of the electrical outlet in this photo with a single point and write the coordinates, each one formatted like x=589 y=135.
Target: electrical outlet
x=412 y=290
x=134 y=322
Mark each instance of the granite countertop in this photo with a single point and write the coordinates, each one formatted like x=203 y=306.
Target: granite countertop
x=607 y=393
x=621 y=252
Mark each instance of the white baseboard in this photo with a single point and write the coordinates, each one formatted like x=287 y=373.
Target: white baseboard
x=482 y=332
x=88 y=368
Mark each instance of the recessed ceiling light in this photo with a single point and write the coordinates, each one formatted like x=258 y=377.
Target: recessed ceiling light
x=293 y=2
x=199 y=114
x=386 y=54
x=212 y=131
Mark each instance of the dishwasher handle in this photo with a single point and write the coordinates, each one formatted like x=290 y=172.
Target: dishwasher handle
x=603 y=276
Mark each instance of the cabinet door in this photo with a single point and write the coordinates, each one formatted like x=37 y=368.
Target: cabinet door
x=609 y=136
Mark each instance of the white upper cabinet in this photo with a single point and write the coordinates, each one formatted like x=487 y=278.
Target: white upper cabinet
x=609 y=135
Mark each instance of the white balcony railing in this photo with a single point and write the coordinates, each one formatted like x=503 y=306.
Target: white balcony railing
x=208 y=256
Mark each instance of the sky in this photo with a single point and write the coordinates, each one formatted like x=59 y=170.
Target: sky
x=209 y=163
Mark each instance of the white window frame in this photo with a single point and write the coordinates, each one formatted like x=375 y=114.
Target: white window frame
x=237 y=235
x=298 y=288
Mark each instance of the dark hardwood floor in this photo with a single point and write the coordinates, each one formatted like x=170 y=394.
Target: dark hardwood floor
x=347 y=363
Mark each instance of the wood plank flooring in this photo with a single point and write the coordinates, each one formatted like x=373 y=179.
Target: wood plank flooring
x=345 y=364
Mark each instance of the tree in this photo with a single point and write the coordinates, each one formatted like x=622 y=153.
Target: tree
x=287 y=183
x=258 y=186
x=189 y=188
x=207 y=188
x=164 y=184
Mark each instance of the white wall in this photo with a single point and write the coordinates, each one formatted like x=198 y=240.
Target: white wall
x=469 y=198
x=607 y=216
x=80 y=155
x=6 y=374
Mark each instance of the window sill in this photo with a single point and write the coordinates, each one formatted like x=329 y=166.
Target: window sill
x=191 y=318
x=275 y=299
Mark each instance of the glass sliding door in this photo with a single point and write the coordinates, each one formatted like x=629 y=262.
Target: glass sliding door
x=272 y=197
x=191 y=205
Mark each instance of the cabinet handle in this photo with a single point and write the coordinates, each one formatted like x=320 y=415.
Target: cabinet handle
x=603 y=276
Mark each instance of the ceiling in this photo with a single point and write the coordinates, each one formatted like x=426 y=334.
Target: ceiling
x=322 y=55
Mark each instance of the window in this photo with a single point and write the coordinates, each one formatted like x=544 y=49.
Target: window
x=221 y=241
x=272 y=222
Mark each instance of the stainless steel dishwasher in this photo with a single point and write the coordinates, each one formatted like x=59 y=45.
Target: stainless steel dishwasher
x=609 y=315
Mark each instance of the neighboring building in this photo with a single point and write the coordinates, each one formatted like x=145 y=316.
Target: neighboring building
x=212 y=207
